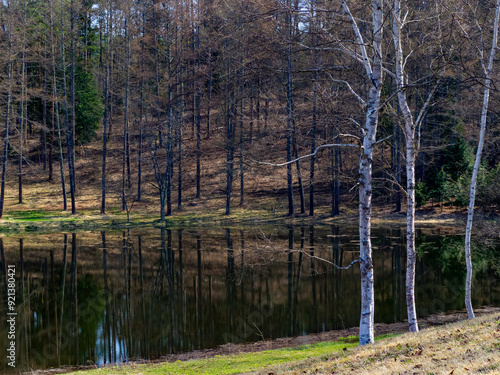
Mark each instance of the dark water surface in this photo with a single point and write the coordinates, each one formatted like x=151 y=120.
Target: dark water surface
x=111 y=297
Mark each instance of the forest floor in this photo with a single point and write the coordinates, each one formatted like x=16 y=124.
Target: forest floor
x=42 y=211
x=265 y=197
x=446 y=344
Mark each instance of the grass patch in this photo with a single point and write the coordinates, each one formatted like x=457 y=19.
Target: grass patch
x=29 y=215
x=238 y=363
x=243 y=362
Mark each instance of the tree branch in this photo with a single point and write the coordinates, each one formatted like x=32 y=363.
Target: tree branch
x=305 y=156
x=329 y=262
x=359 y=37
x=360 y=99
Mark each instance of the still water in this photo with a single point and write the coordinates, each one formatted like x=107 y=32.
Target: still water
x=107 y=297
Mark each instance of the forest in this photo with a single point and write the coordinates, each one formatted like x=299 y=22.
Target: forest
x=175 y=96
x=322 y=103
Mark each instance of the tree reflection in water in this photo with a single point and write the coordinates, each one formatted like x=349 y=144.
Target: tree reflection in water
x=128 y=295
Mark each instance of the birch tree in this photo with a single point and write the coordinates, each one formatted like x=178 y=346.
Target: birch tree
x=487 y=71
x=374 y=75
x=409 y=131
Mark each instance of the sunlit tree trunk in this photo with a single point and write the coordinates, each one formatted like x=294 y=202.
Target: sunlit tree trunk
x=410 y=171
x=410 y=126
x=484 y=113
x=373 y=69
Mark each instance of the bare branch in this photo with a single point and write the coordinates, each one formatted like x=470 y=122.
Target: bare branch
x=394 y=182
x=426 y=104
x=360 y=99
x=382 y=140
x=359 y=37
x=329 y=262
x=355 y=122
x=305 y=156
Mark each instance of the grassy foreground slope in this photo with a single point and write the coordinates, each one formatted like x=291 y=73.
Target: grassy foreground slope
x=467 y=347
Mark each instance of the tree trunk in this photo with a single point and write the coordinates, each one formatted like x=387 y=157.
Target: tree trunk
x=250 y=133
x=410 y=170
x=313 y=145
x=257 y=108
x=374 y=75
x=43 y=131
x=169 y=145
x=266 y=115
x=105 y=120
x=242 y=166
x=125 y=156
x=7 y=122
x=179 y=139
x=312 y=28
x=198 y=144
x=157 y=80
x=229 y=154
x=477 y=163
x=22 y=109
x=209 y=91
x=289 y=120
x=70 y=136
x=55 y=114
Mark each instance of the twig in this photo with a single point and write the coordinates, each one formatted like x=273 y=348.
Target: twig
x=305 y=156
x=331 y=263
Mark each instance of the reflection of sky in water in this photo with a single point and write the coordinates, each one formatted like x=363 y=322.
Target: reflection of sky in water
x=155 y=305
x=100 y=344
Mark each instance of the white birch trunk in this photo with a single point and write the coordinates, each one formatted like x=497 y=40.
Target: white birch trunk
x=410 y=171
x=373 y=69
x=477 y=163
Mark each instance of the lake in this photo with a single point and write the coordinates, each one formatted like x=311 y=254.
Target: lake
x=112 y=297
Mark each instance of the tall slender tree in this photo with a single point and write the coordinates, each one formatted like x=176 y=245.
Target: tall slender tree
x=8 y=101
x=374 y=76
x=487 y=71
x=109 y=20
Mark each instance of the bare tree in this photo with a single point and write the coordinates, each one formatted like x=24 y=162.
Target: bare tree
x=374 y=76
x=487 y=71
x=106 y=109
x=8 y=99
x=409 y=131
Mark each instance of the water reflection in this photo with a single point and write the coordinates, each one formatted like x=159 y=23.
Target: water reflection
x=115 y=296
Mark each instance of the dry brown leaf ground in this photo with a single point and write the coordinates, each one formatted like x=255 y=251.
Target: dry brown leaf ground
x=464 y=347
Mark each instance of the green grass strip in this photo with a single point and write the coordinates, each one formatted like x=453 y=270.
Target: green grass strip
x=232 y=364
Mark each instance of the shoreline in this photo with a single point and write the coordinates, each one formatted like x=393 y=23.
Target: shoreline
x=346 y=335
x=21 y=222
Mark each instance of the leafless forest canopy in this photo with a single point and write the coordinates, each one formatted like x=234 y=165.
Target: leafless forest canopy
x=175 y=101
